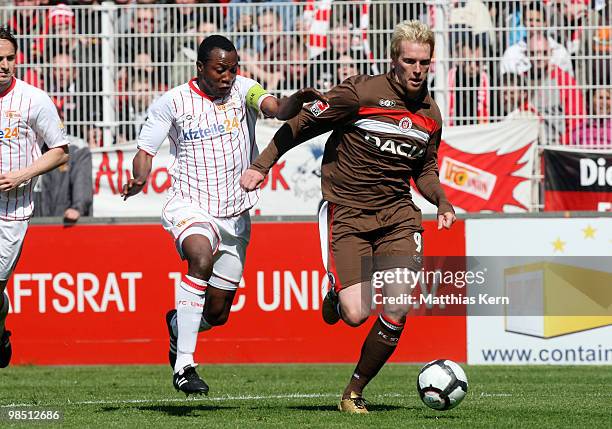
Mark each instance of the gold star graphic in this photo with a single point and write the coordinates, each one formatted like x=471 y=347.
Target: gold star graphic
x=558 y=245
x=589 y=232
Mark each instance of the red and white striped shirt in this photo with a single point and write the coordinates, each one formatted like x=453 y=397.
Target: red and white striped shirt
x=212 y=143
x=28 y=119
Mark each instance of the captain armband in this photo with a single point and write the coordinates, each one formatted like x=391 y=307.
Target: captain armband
x=255 y=96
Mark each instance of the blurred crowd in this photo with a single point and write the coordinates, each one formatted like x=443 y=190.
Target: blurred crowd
x=547 y=58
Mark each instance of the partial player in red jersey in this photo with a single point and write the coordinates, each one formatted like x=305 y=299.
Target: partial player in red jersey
x=29 y=123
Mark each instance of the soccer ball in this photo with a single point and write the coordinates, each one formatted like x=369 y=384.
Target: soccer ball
x=442 y=384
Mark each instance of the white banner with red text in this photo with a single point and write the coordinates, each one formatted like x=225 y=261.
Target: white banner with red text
x=482 y=168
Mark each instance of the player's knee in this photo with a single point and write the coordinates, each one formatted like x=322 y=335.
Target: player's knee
x=396 y=314
x=200 y=266
x=353 y=317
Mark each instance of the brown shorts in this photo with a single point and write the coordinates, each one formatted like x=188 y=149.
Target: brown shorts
x=357 y=242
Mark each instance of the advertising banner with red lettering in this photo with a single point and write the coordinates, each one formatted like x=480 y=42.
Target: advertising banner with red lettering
x=293 y=186
x=482 y=168
x=97 y=294
x=488 y=167
x=575 y=179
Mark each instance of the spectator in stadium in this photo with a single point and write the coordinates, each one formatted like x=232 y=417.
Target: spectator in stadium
x=595 y=50
x=67 y=86
x=29 y=73
x=267 y=65
x=188 y=15
x=596 y=132
x=553 y=93
x=369 y=213
x=31 y=123
x=142 y=65
x=570 y=17
x=67 y=191
x=302 y=26
x=144 y=26
x=349 y=65
x=290 y=72
x=134 y=114
x=296 y=66
x=89 y=28
x=324 y=67
x=515 y=97
x=475 y=15
x=124 y=15
x=243 y=16
x=84 y=48
x=514 y=22
x=468 y=85
x=515 y=59
x=207 y=214
x=270 y=26
x=60 y=27
x=499 y=13
x=29 y=22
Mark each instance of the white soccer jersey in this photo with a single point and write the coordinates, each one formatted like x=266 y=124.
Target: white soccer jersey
x=28 y=119
x=212 y=142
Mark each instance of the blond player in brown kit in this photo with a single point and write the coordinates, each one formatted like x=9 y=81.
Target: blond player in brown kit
x=385 y=130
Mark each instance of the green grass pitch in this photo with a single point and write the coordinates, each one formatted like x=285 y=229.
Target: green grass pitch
x=284 y=396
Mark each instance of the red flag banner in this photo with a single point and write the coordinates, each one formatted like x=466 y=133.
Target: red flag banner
x=488 y=167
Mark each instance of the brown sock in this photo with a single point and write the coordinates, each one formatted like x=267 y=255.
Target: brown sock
x=377 y=348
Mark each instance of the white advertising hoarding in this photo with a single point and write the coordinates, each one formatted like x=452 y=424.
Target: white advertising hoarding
x=557 y=275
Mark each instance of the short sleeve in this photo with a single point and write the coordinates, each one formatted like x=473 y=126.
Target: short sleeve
x=47 y=124
x=157 y=125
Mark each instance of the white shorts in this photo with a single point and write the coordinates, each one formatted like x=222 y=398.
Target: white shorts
x=12 y=233
x=228 y=237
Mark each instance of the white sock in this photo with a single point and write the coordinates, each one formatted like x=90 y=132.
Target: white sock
x=189 y=308
x=204 y=325
x=4 y=308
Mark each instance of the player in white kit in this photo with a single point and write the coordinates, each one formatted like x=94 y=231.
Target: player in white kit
x=210 y=123
x=28 y=120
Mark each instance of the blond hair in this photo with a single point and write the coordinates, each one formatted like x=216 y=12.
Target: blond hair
x=411 y=31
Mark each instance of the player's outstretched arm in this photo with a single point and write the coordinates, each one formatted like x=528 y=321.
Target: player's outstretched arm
x=287 y=107
x=336 y=107
x=51 y=159
x=141 y=167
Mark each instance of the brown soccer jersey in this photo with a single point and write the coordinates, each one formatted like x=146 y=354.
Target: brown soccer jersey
x=381 y=137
